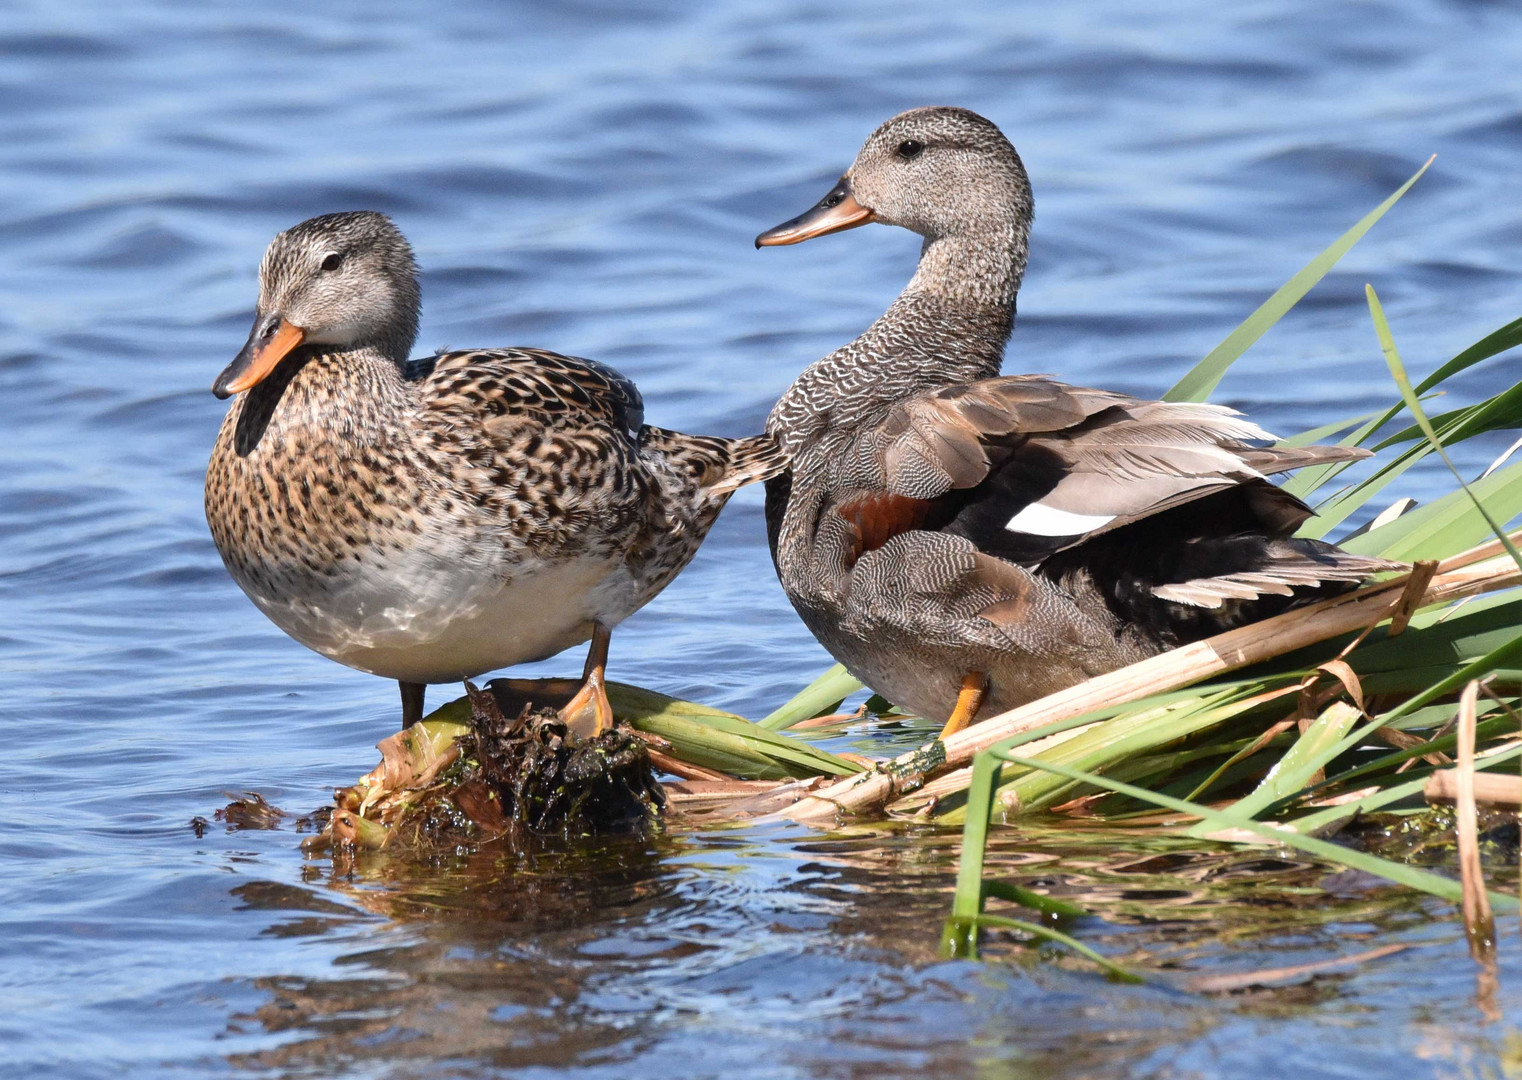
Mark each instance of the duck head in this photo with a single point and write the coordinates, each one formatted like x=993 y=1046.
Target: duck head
x=938 y=171
x=347 y=281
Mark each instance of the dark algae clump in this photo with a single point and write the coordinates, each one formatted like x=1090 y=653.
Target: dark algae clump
x=442 y=783
x=544 y=777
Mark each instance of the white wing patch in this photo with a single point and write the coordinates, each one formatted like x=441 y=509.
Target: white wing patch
x=1038 y=520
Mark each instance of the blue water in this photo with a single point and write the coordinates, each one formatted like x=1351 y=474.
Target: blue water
x=588 y=178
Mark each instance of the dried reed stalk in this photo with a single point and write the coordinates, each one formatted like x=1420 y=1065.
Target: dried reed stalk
x=1490 y=789
x=1479 y=923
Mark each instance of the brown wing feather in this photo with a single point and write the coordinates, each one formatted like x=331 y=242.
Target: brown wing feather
x=1096 y=459
x=940 y=441
x=719 y=466
x=1277 y=459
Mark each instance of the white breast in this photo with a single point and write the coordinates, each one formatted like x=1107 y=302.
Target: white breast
x=431 y=620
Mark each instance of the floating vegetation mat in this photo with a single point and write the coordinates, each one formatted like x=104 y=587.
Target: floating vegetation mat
x=499 y=761
x=444 y=783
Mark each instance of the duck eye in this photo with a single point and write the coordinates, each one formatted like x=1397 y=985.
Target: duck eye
x=910 y=149
x=332 y=261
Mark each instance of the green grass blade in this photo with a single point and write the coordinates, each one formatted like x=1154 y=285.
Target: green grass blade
x=1320 y=434
x=1308 y=481
x=719 y=740
x=1203 y=378
x=1412 y=788
x=1478 y=669
x=1504 y=410
x=959 y=935
x=1057 y=937
x=1398 y=372
x=1448 y=525
x=968 y=899
x=1492 y=344
x=1311 y=823
x=1301 y=761
x=1344 y=504
x=1495 y=727
x=815 y=699
x=1047 y=905
x=1486 y=416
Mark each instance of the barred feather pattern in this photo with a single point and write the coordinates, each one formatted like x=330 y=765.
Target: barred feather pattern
x=468 y=471
x=939 y=518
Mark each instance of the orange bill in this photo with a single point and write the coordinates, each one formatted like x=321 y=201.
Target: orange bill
x=271 y=341
x=836 y=211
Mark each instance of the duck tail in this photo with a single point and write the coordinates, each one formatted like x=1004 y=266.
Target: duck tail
x=720 y=466
x=1272 y=566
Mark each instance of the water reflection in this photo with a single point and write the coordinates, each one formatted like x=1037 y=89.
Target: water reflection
x=629 y=952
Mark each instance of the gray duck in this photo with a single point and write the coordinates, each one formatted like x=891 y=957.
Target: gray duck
x=431 y=520
x=965 y=542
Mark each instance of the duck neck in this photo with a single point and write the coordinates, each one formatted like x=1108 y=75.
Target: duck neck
x=948 y=326
x=316 y=390
x=972 y=271
x=395 y=343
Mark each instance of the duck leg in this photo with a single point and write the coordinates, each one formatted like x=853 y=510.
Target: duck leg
x=969 y=701
x=593 y=695
x=412 y=702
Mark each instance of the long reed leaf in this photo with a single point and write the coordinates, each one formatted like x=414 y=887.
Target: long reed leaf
x=1398 y=372
x=1203 y=378
x=1447 y=525
x=818 y=697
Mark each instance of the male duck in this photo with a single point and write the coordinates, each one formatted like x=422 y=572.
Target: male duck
x=962 y=541
x=434 y=519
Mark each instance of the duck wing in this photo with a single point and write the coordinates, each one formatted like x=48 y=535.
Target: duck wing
x=1035 y=466
x=508 y=391
x=1144 y=500
x=548 y=405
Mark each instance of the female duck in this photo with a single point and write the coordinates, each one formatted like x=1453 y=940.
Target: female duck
x=965 y=541
x=435 y=519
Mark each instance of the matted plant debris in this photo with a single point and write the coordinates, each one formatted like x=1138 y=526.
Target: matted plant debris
x=444 y=783
x=534 y=772
x=251 y=811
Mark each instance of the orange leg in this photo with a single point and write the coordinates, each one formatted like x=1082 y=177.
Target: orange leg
x=969 y=701
x=589 y=713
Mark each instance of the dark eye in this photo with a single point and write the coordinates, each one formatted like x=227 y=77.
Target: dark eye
x=332 y=261
x=910 y=149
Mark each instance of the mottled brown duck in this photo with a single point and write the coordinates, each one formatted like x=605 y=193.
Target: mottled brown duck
x=431 y=520
x=965 y=542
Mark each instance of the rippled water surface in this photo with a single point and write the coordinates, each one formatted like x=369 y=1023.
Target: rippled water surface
x=589 y=180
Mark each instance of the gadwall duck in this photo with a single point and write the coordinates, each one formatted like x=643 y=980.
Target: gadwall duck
x=431 y=520
x=964 y=542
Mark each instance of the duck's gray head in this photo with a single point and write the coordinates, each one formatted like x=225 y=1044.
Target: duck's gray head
x=938 y=171
x=344 y=280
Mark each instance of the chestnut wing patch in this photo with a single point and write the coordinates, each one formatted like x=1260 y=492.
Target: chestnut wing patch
x=875 y=517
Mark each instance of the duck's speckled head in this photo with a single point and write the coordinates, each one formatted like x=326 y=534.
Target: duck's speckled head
x=344 y=280
x=938 y=171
